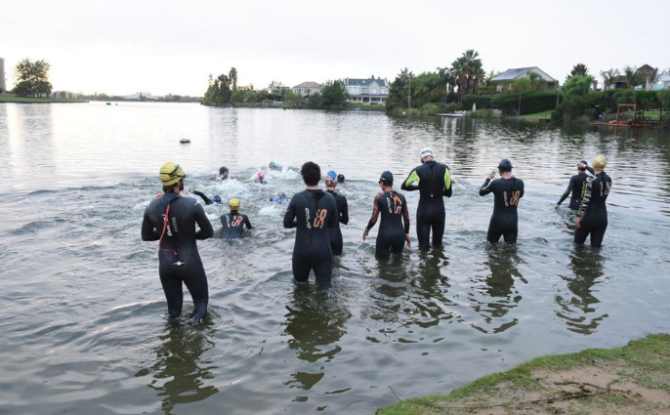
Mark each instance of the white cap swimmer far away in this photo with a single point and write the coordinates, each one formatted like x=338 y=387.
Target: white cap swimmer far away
x=426 y=152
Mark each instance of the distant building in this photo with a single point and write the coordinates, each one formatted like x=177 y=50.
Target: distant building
x=277 y=88
x=663 y=82
x=505 y=80
x=307 y=88
x=369 y=91
x=249 y=87
x=2 y=76
x=647 y=75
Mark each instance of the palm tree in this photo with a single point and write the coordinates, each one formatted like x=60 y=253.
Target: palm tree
x=609 y=76
x=468 y=72
x=233 y=77
x=632 y=77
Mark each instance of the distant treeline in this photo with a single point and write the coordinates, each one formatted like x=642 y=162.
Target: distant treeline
x=142 y=98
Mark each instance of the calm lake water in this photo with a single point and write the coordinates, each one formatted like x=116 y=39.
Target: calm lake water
x=83 y=317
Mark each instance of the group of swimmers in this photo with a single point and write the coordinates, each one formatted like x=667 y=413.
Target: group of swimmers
x=316 y=214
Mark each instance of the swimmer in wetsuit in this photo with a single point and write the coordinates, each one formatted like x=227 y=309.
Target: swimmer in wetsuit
x=171 y=219
x=313 y=213
x=576 y=186
x=235 y=224
x=592 y=213
x=433 y=181
x=394 y=227
x=342 y=213
x=507 y=192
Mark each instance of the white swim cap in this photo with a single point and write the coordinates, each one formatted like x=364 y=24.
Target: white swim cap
x=426 y=152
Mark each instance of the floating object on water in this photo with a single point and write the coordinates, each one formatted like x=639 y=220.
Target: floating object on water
x=109 y=103
x=184 y=141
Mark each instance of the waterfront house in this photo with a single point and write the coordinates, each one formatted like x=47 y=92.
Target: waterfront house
x=307 y=88
x=369 y=91
x=663 y=82
x=277 y=88
x=504 y=80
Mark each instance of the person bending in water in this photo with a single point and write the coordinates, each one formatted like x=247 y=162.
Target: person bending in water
x=592 y=213
x=171 y=219
x=393 y=233
x=342 y=213
x=215 y=200
x=234 y=223
x=313 y=212
x=433 y=181
x=223 y=173
x=576 y=186
x=507 y=192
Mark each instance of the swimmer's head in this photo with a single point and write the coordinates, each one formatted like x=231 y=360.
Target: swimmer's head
x=386 y=179
x=505 y=166
x=217 y=199
x=582 y=165
x=599 y=162
x=223 y=173
x=234 y=204
x=172 y=175
x=331 y=179
x=340 y=178
x=426 y=154
x=311 y=173
x=260 y=176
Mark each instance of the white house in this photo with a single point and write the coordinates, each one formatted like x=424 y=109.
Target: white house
x=369 y=91
x=663 y=82
x=307 y=88
x=504 y=80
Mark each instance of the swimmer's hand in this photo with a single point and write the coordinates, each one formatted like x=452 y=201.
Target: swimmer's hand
x=409 y=243
x=365 y=234
x=578 y=222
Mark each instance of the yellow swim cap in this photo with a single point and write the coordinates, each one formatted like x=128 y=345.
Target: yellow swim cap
x=171 y=173
x=234 y=203
x=599 y=162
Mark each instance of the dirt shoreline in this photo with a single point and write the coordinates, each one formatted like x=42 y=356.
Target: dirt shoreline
x=634 y=379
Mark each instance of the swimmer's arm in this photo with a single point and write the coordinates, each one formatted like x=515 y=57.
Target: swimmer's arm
x=375 y=215
x=204 y=197
x=206 y=230
x=290 y=218
x=344 y=214
x=149 y=233
x=523 y=189
x=486 y=187
x=334 y=215
x=405 y=216
x=447 y=183
x=247 y=223
x=567 y=192
x=411 y=183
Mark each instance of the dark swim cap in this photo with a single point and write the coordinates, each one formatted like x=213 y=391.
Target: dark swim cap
x=505 y=165
x=340 y=178
x=387 y=178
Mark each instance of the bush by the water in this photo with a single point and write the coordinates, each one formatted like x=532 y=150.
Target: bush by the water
x=594 y=103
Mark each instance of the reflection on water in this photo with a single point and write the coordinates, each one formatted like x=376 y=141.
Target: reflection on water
x=315 y=321
x=494 y=296
x=578 y=309
x=181 y=374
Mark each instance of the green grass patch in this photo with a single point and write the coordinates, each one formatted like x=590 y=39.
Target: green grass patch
x=536 y=117
x=647 y=360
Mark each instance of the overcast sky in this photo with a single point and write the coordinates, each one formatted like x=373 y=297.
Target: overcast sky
x=123 y=46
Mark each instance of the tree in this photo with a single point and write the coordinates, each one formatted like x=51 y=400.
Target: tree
x=334 y=95
x=632 y=77
x=232 y=74
x=577 y=85
x=579 y=70
x=218 y=92
x=32 y=78
x=609 y=76
x=468 y=72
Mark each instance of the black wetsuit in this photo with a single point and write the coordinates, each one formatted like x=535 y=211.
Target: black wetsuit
x=593 y=209
x=234 y=225
x=504 y=221
x=179 y=260
x=342 y=217
x=574 y=190
x=433 y=181
x=391 y=236
x=314 y=214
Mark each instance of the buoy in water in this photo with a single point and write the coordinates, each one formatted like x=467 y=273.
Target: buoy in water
x=185 y=141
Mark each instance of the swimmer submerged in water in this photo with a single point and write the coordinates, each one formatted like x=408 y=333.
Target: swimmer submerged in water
x=394 y=227
x=336 y=241
x=507 y=192
x=433 y=181
x=313 y=213
x=171 y=219
x=235 y=224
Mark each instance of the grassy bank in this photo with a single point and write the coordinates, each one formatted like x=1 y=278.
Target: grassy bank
x=538 y=117
x=634 y=379
x=30 y=100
